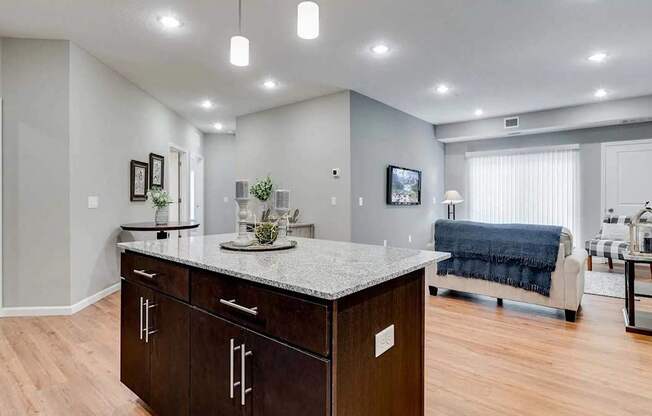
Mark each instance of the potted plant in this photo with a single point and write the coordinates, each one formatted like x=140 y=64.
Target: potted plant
x=266 y=233
x=262 y=191
x=161 y=201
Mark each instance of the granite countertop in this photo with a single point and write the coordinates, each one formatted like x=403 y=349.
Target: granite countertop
x=321 y=268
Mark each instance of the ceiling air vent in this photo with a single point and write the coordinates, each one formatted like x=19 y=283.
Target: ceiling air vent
x=511 y=122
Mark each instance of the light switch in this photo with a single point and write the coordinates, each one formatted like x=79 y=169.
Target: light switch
x=333 y=201
x=226 y=199
x=384 y=340
x=93 y=202
x=434 y=200
x=361 y=201
x=384 y=243
x=409 y=238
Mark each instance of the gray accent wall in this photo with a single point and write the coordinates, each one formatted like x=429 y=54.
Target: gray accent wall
x=298 y=145
x=71 y=126
x=36 y=202
x=380 y=136
x=590 y=160
x=219 y=183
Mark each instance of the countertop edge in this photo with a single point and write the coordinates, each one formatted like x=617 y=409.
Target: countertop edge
x=290 y=288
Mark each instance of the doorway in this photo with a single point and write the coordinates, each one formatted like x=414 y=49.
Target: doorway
x=196 y=197
x=625 y=176
x=177 y=186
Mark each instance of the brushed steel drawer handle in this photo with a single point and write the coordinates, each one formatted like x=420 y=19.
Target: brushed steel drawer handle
x=243 y=367
x=251 y=311
x=145 y=274
x=232 y=384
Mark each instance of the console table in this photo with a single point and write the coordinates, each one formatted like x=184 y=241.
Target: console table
x=637 y=322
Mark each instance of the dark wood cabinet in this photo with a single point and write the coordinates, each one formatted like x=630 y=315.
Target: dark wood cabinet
x=134 y=352
x=279 y=380
x=155 y=349
x=169 y=356
x=283 y=380
x=200 y=343
x=213 y=366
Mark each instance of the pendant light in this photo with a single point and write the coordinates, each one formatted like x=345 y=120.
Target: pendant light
x=308 y=20
x=239 y=43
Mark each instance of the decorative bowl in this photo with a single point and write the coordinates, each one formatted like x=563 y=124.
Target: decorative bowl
x=266 y=232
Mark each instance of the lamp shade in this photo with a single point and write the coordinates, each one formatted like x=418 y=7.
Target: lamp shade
x=452 y=197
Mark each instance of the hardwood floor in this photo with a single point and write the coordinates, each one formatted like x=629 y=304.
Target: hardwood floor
x=481 y=359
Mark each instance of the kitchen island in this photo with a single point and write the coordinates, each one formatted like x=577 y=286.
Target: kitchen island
x=327 y=328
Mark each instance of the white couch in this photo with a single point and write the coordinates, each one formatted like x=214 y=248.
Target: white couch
x=566 y=290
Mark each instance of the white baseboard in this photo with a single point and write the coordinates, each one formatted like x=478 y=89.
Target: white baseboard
x=58 y=310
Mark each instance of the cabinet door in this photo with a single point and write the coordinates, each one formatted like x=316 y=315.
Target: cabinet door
x=134 y=352
x=214 y=365
x=283 y=380
x=169 y=340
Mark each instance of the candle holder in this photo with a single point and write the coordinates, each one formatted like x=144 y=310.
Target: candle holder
x=242 y=199
x=282 y=207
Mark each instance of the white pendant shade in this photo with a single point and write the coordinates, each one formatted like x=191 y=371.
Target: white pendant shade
x=308 y=20
x=239 y=51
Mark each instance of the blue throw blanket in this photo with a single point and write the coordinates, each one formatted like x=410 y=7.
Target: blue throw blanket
x=518 y=255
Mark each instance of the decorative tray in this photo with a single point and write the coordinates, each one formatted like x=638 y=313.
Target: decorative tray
x=228 y=245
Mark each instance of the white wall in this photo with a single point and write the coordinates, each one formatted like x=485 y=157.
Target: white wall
x=382 y=136
x=219 y=183
x=36 y=207
x=590 y=163
x=298 y=145
x=111 y=122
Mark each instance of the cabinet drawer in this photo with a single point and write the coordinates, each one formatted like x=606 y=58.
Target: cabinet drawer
x=292 y=319
x=167 y=277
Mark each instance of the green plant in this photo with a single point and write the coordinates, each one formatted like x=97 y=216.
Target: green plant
x=262 y=189
x=159 y=197
x=266 y=232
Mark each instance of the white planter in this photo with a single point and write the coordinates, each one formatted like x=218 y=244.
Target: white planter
x=162 y=215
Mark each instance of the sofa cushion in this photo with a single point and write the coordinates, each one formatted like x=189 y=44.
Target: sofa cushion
x=607 y=248
x=615 y=231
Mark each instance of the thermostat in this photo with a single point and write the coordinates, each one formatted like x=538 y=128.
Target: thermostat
x=336 y=172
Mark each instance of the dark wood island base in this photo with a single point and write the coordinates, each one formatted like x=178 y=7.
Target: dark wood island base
x=195 y=342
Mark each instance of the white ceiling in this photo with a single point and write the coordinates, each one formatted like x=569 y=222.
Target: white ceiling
x=505 y=56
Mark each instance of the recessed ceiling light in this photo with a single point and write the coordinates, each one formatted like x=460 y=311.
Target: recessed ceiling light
x=442 y=89
x=478 y=112
x=169 y=22
x=218 y=126
x=380 y=49
x=600 y=93
x=598 y=57
x=270 y=84
x=207 y=104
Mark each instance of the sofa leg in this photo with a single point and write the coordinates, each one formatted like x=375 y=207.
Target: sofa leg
x=611 y=264
x=433 y=290
x=589 y=263
x=570 y=315
x=499 y=301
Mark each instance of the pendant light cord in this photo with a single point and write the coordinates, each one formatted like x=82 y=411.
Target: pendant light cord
x=240 y=17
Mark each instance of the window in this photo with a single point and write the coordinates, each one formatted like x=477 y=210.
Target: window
x=529 y=186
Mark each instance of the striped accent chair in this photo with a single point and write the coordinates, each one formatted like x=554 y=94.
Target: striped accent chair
x=611 y=249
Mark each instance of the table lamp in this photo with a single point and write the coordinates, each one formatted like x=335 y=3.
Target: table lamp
x=452 y=198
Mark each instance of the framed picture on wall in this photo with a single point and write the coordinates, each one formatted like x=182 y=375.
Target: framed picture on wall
x=156 y=170
x=138 y=178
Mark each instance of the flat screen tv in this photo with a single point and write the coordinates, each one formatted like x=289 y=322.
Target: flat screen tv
x=403 y=186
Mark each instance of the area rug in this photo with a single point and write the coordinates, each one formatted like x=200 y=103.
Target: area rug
x=605 y=284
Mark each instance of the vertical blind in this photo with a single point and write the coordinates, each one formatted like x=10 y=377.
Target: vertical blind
x=537 y=186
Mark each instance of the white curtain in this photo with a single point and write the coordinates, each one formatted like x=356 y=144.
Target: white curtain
x=536 y=186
